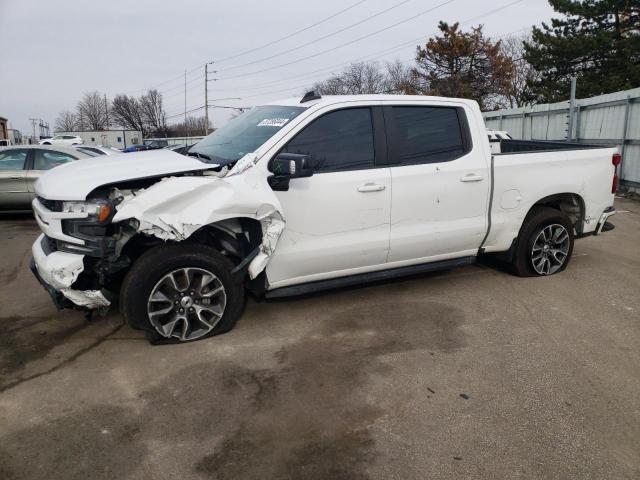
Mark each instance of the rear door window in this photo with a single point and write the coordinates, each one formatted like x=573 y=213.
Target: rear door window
x=426 y=134
x=48 y=159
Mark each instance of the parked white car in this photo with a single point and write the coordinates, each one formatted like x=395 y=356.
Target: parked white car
x=62 y=140
x=304 y=195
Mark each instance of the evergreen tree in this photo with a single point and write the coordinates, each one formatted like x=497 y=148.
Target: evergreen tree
x=463 y=64
x=598 y=41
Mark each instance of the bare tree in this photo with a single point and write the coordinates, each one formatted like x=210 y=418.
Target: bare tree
x=400 y=78
x=194 y=126
x=524 y=74
x=356 y=78
x=92 y=110
x=67 y=121
x=153 y=113
x=127 y=112
x=370 y=77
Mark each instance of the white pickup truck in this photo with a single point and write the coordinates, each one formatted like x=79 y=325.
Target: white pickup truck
x=304 y=195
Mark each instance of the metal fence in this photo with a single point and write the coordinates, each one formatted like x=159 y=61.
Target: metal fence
x=612 y=119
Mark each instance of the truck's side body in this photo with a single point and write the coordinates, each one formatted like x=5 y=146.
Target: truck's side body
x=395 y=183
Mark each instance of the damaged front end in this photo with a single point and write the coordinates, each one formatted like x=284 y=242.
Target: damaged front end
x=87 y=247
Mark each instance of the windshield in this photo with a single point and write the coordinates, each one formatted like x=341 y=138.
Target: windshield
x=244 y=134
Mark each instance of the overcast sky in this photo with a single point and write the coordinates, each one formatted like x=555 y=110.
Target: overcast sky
x=52 y=51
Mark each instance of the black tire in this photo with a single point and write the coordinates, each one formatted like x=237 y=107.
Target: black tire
x=537 y=220
x=154 y=264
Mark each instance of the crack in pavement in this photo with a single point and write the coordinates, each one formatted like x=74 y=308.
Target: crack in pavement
x=64 y=363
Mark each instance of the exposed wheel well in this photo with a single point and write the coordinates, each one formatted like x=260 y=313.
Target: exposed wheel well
x=235 y=238
x=570 y=204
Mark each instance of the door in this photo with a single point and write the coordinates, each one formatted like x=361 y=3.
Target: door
x=440 y=184
x=337 y=221
x=14 y=194
x=43 y=160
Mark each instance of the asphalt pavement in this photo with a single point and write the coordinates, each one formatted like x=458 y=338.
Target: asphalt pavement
x=465 y=374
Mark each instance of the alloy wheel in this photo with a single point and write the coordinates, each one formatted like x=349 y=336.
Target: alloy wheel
x=186 y=303
x=550 y=249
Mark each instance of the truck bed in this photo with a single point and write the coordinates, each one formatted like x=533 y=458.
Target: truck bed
x=529 y=146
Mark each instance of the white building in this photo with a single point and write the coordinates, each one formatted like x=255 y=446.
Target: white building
x=109 y=138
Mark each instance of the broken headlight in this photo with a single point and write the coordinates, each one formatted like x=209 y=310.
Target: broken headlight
x=92 y=229
x=102 y=210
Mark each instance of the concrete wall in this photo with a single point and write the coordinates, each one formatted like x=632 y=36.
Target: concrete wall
x=612 y=119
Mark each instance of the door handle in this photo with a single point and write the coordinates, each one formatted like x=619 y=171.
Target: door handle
x=371 y=187
x=472 y=177
x=15 y=178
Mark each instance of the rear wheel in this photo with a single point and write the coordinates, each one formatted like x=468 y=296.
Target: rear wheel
x=545 y=243
x=181 y=293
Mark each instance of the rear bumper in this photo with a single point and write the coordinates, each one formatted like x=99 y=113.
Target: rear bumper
x=57 y=272
x=603 y=225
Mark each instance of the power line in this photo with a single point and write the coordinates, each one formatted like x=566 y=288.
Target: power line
x=324 y=37
x=181 y=76
x=388 y=50
x=413 y=17
x=291 y=34
x=155 y=86
x=193 y=109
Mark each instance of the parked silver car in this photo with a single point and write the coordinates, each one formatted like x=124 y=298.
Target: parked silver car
x=97 y=150
x=21 y=166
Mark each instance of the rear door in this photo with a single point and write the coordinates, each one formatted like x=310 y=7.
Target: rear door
x=14 y=194
x=440 y=183
x=337 y=221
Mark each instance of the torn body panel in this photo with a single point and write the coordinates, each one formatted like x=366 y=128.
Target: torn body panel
x=60 y=270
x=176 y=207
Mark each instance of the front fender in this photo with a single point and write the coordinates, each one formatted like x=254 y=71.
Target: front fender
x=176 y=207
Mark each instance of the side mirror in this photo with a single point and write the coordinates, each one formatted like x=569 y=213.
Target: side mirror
x=287 y=166
x=291 y=165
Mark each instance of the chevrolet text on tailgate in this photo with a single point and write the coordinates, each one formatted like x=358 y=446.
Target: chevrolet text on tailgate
x=303 y=195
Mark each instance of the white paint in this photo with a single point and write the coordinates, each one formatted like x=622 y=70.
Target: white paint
x=337 y=223
x=176 y=207
x=75 y=180
x=60 y=270
x=86 y=298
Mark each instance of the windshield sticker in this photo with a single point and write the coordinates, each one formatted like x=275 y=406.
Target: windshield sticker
x=273 y=122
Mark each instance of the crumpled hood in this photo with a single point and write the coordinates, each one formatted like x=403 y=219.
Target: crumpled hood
x=75 y=180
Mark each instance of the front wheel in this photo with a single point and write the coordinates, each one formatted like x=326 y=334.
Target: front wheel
x=181 y=293
x=545 y=243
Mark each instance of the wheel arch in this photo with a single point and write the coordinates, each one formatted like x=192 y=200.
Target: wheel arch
x=235 y=238
x=571 y=204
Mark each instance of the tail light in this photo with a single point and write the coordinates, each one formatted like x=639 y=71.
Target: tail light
x=616 y=160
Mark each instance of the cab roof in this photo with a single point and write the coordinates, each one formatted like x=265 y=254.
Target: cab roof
x=333 y=99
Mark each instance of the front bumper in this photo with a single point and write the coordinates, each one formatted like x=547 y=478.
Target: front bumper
x=57 y=272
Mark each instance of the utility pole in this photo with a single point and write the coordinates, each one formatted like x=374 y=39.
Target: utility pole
x=572 y=106
x=186 y=131
x=206 y=99
x=206 y=96
x=106 y=110
x=33 y=123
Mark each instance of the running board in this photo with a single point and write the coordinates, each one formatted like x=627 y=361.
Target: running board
x=368 y=277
